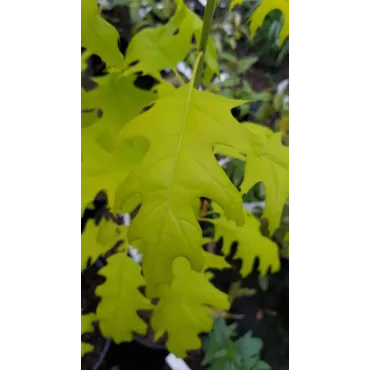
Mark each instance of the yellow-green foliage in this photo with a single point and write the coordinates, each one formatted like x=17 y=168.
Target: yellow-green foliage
x=265 y=7
x=87 y=327
x=178 y=168
x=184 y=308
x=98 y=240
x=251 y=243
x=121 y=299
x=163 y=159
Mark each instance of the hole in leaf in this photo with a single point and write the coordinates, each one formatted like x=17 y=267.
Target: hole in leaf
x=145 y=82
x=132 y=64
x=145 y=109
x=176 y=32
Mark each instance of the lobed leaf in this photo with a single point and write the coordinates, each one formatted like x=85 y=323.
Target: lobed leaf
x=177 y=170
x=190 y=296
x=265 y=7
x=99 y=36
x=101 y=170
x=234 y=3
x=120 y=101
x=251 y=243
x=193 y=24
x=87 y=327
x=97 y=240
x=154 y=49
x=120 y=299
x=269 y=164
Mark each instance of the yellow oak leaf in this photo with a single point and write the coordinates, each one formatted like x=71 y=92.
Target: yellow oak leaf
x=185 y=308
x=121 y=299
x=120 y=101
x=251 y=243
x=154 y=49
x=267 y=163
x=178 y=168
x=234 y=3
x=103 y=171
x=87 y=327
x=97 y=240
x=99 y=36
x=265 y=7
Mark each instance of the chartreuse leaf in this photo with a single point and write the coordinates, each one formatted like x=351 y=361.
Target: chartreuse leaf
x=268 y=164
x=99 y=36
x=212 y=261
x=154 y=49
x=265 y=7
x=178 y=168
x=87 y=327
x=101 y=170
x=193 y=23
x=251 y=243
x=120 y=101
x=121 y=299
x=234 y=3
x=190 y=297
x=228 y=152
x=97 y=240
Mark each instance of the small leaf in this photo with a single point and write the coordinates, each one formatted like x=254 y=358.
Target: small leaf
x=154 y=49
x=262 y=365
x=265 y=7
x=103 y=171
x=234 y=3
x=264 y=282
x=268 y=164
x=180 y=299
x=251 y=243
x=98 y=240
x=99 y=36
x=120 y=100
x=87 y=327
x=193 y=23
x=121 y=299
x=246 y=63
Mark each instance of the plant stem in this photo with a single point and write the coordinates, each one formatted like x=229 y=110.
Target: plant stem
x=178 y=76
x=206 y=29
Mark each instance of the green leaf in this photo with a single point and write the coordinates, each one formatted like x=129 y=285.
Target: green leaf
x=179 y=167
x=154 y=49
x=97 y=240
x=250 y=347
x=262 y=365
x=87 y=327
x=234 y=3
x=251 y=243
x=229 y=57
x=101 y=170
x=120 y=100
x=264 y=282
x=98 y=36
x=193 y=23
x=193 y=306
x=245 y=63
x=121 y=299
x=268 y=164
x=265 y=7
x=218 y=339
